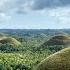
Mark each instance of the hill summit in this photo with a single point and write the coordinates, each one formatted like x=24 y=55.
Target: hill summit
x=57 y=61
x=58 y=40
x=10 y=40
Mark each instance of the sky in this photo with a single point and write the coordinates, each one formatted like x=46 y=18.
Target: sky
x=34 y=14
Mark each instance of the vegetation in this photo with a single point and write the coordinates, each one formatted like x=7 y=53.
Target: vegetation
x=10 y=61
x=24 y=50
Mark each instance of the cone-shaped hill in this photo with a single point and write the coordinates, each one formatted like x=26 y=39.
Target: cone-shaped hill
x=57 y=61
x=10 y=40
x=58 y=40
x=2 y=35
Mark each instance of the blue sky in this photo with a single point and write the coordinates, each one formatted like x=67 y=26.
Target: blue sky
x=34 y=14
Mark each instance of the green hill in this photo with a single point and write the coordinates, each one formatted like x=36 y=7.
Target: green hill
x=9 y=44
x=2 y=35
x=58 y=40
x=10 y=40
x=56 y=43
x=57 y=61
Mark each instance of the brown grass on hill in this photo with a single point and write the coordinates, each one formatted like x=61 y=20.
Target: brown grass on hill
x=57 y=61
x=58 y=40
x=9 y=40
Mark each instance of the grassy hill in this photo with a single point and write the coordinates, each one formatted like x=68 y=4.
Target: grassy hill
x=56 y=43
x=57 y=61
x=9 y=44
x=2 y=35
x=58 y=40
x=10 y=40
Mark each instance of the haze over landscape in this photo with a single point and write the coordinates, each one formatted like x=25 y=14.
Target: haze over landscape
x=34 y=14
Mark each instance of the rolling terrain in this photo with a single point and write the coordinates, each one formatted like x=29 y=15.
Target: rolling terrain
x=23 y=49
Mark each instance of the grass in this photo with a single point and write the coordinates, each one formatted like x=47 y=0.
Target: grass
x=57 y=61
x=10 y=40
x=58 y=40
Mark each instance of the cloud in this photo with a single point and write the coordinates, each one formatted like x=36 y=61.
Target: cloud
x=41 y=4
x=49 y=8
x=4 y=17
x=22 y=6
x=59 y=17
x=10 y=8
x=6 y=5
x=15 y=6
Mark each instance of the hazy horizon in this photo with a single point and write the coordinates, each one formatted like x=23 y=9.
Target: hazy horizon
x=34 y=29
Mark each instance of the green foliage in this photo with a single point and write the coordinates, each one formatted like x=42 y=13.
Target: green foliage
x=9 y=48
x=9 y=61
x=21 y=49
x=21 y=61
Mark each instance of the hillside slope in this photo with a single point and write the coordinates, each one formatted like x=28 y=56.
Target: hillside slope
x=9 y=44
x=58 y=40
x=57 y=61
x=10 y=40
